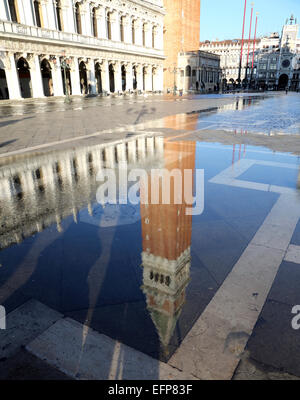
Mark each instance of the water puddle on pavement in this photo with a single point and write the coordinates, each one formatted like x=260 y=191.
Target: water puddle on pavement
x=140 y=273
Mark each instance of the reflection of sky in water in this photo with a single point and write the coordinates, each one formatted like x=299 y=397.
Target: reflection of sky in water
x=274 y=115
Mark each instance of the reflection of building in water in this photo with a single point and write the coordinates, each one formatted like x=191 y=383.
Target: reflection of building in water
x=41 y=190
x=166 y=231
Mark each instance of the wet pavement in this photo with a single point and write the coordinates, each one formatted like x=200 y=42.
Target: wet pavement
x=199 y=293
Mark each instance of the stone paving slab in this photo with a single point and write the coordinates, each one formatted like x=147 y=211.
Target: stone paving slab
x=82 y=353
x=24 y=324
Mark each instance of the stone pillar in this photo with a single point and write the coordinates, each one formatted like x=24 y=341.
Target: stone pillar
x=44 y=17
x=12 y=78
x=91 y=76
x=159 y=78
x=127 y=30
x=101 y=23
x=57 y=78
x=148 y=35
x=67 y=17
x=148 y=79
x=75 y=81
x=139 y=74
x=36 y=76
x=105 y=76
x=86 y=23
x=118 y=77
x=129 y=77
x=50 y=6
x=115 y=27
x=138 y=32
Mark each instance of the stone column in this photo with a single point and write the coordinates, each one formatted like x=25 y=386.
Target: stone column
x=57 y=78
x=118 y=77
x=44 y=16
x=75 y=81
x=115 y=28
x=101 y=22
x=105 y=76
x=148 y=35
x=36 y=76
x=159 y=79
x=139 y=76
x=86 y=23
x=127 y=29
x=129 y=76
x=148 y=79
x=12 y=78
x=91 y=76
x=138 y=32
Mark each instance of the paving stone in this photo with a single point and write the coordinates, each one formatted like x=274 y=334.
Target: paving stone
x=24 y=324
x=274 y=342
x=85 y=354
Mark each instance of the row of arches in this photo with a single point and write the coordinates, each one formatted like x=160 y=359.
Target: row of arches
x=25 y=82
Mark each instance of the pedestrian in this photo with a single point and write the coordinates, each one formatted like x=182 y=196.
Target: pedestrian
x=286 y=90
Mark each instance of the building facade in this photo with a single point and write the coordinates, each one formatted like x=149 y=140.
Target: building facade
x=277 y=61
x=110 y=46
x=199 y=71
x=275 y=56
x=181 y=34
x=230 y=53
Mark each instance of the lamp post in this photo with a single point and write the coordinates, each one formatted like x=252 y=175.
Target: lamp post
x=65 y=65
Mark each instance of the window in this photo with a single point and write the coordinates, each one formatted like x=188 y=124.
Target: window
x=38 y=13
x=13 y=10
x=108 y=21
x=122 y=20
x=133 y=31
x=94 y=23
x=144 y=34
x=188 y=71
x=78 y=18
x=59 y=15
x=153 y=36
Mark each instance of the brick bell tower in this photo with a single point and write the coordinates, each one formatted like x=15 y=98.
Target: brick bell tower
x=166 y=234
x=181 y=33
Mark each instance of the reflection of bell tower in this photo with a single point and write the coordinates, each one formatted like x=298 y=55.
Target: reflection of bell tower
x=166 y=231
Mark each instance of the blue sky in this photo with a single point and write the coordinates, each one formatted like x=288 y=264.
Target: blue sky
x=223 y=19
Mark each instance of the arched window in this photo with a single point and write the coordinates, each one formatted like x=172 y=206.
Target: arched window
x=13 y=8
x=188 y=71
x=94 y=23
x=133 y=31
x=153 y=36
x=108 y=20
x=59 y=15
x=122 y=20
x=38 y=13
x=144 y=34
x=78 y=18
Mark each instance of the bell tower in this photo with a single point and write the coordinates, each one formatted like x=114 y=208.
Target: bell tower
x=166 y=232
x=290 y=34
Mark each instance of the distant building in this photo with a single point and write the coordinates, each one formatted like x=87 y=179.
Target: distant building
x=230 y=53
x=198 y=71
x=276 y=61
x=181 y=34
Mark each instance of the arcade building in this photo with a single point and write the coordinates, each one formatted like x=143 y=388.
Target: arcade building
x=106 y=46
